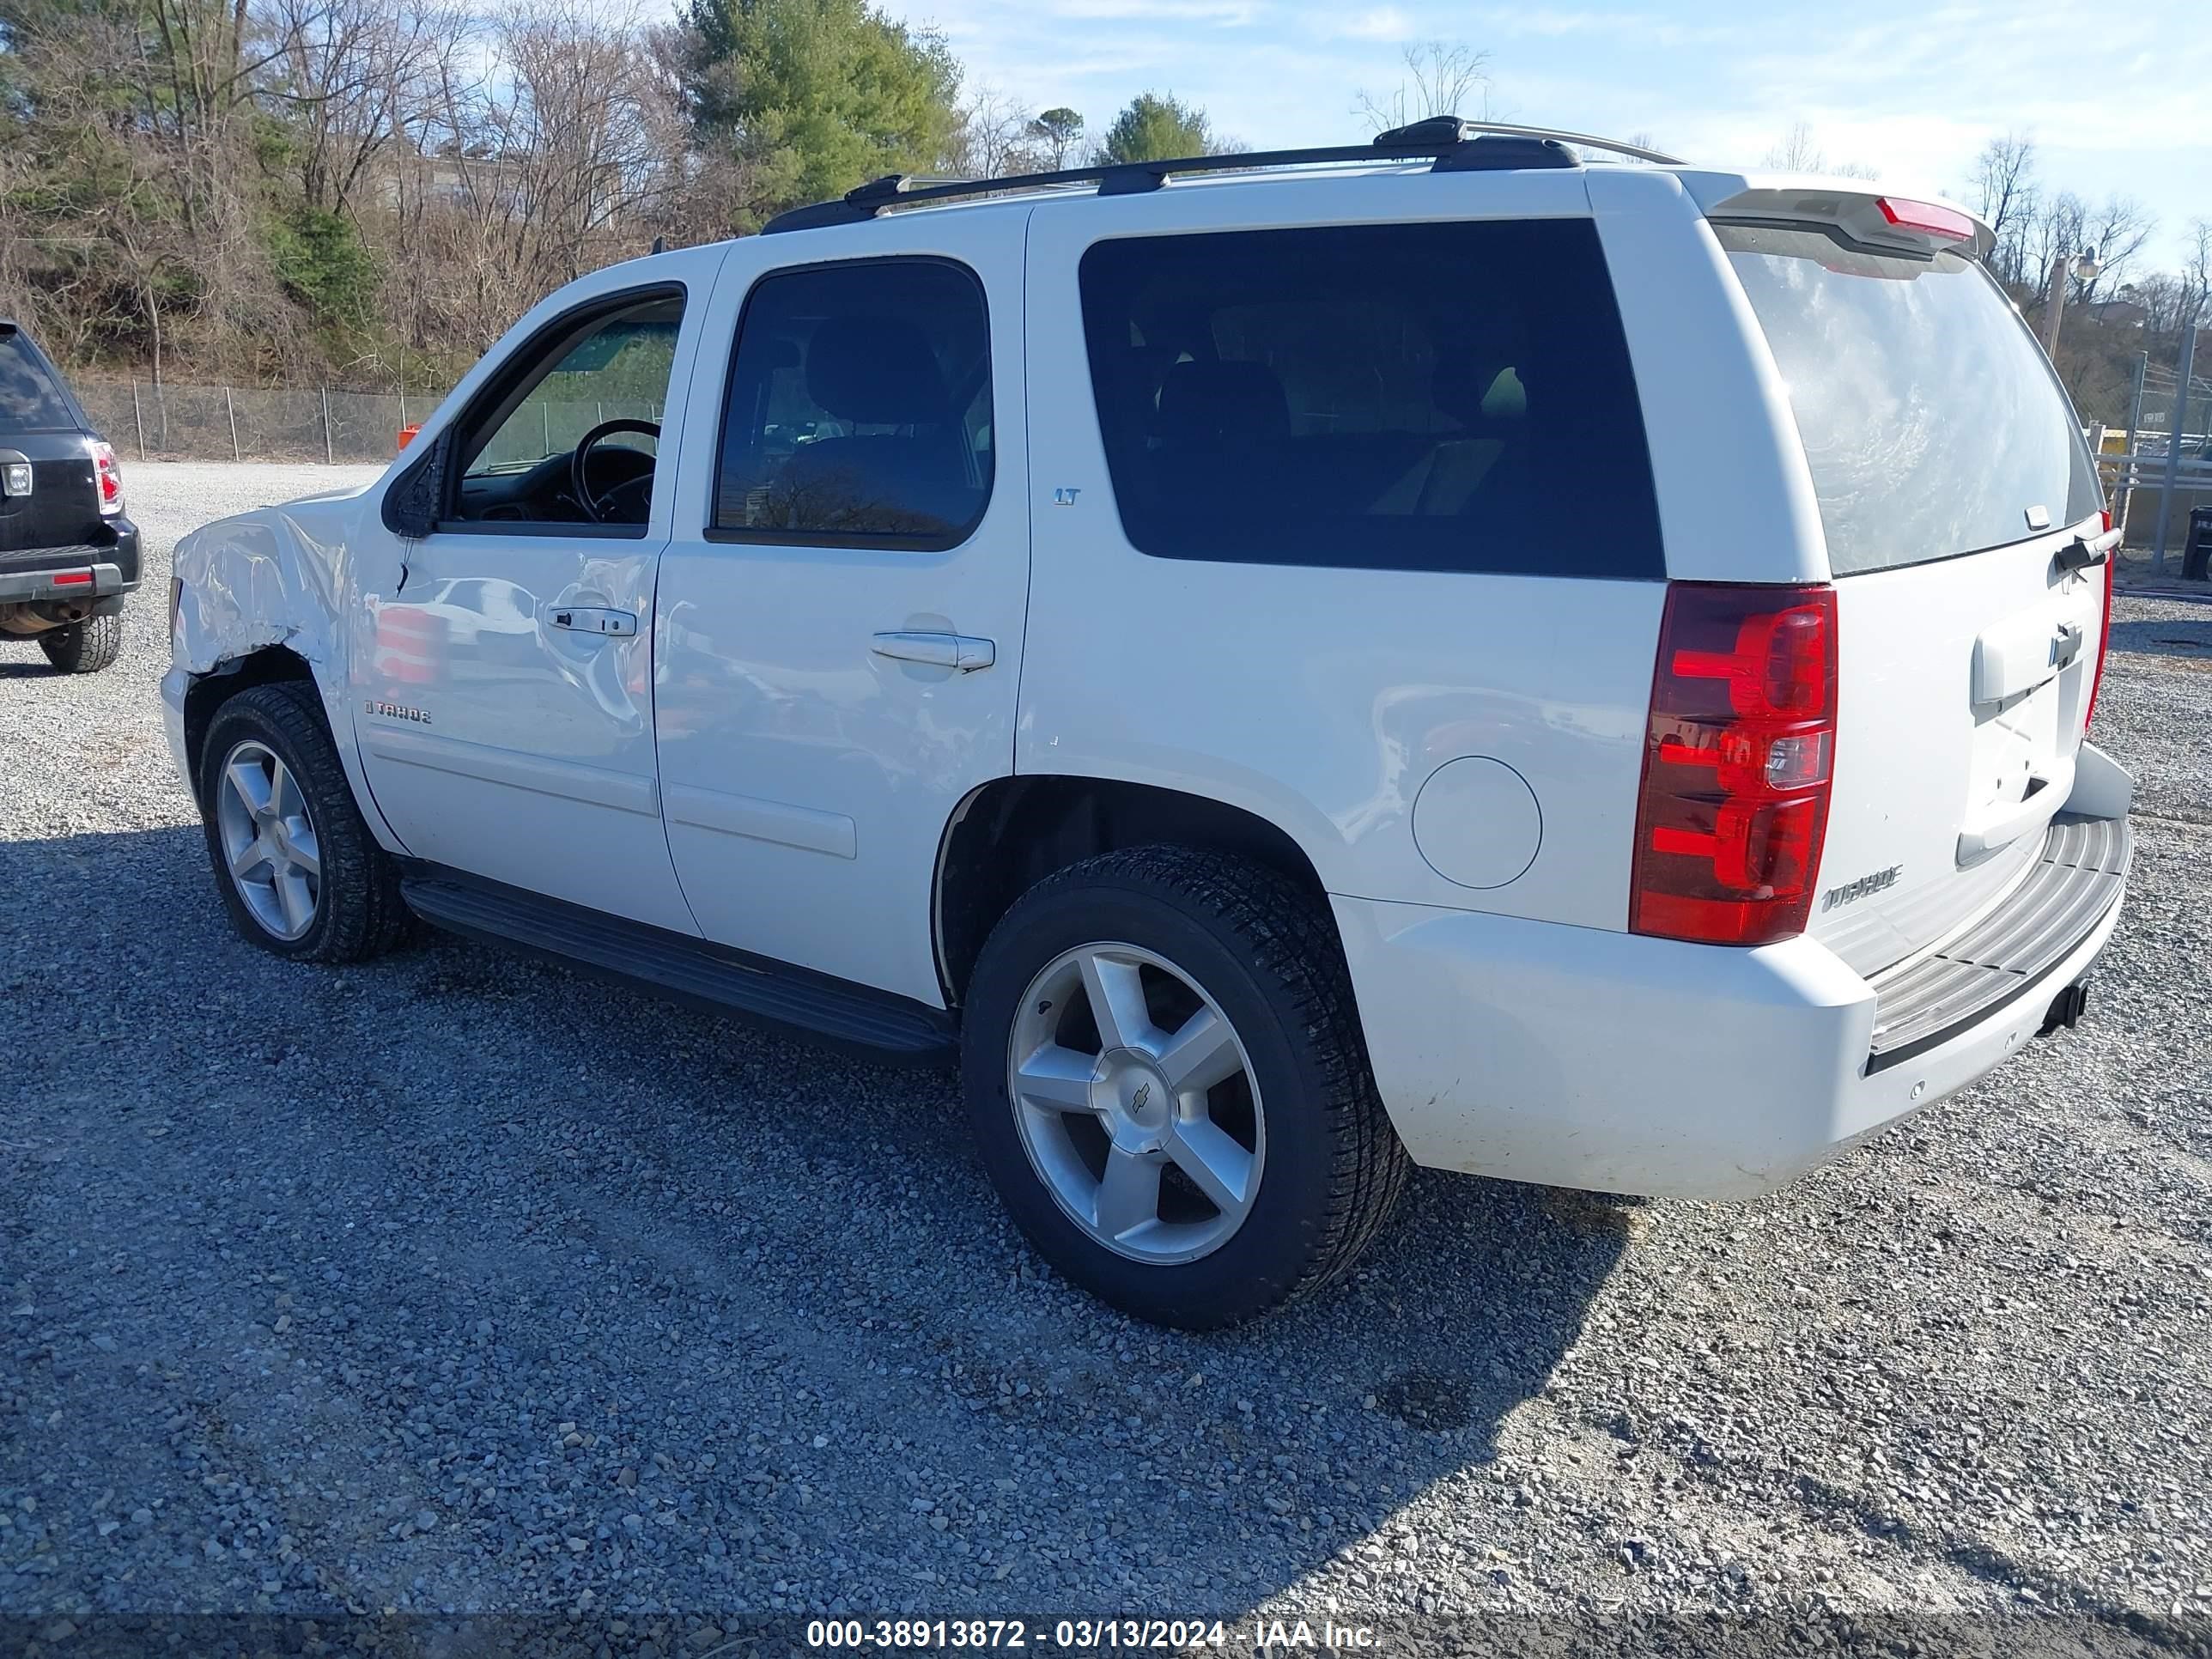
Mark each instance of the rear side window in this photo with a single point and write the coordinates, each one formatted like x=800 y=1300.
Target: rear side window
x=859 y=408
x=30 y=400
x=1931 y=420
x=1430 y=397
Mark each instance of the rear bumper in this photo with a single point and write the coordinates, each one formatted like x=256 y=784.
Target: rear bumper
x=1576 y=1057
x=44 y=573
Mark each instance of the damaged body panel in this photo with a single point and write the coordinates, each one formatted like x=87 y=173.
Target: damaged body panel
x=281 y=578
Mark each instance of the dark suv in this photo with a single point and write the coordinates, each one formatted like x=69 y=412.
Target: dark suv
x=67 y=554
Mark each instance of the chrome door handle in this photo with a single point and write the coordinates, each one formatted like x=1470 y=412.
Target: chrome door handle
x=962 y=651
x=592 y=619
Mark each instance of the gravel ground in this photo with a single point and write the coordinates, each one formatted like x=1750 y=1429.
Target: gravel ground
x=451 y=1282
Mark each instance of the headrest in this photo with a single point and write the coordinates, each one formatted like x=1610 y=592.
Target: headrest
x=1471 y=391
x=1210 y=401
x=875 y=371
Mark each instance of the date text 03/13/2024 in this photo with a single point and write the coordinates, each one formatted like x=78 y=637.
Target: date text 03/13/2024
x=1089 y=1635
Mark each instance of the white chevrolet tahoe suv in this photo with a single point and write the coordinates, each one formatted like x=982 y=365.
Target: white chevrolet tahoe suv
x=1290 y=667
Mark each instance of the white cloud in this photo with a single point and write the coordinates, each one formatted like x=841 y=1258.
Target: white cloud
x=1380 y=23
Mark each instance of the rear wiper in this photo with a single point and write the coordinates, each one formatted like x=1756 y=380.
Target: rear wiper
x=2084 y=551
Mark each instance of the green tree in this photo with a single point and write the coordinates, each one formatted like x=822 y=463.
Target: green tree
x=811 y=97
x=1156 y=127
x=319 y=257
x=1060 y=131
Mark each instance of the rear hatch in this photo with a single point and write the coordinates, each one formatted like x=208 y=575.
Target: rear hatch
x=40 y=427
x=1952 y=481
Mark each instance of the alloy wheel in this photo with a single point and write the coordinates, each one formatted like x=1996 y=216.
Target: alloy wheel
x=269 y=840
x=1136 y=1103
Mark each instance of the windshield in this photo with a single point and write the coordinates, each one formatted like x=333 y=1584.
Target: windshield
x=29 y=401
x=1931 y=419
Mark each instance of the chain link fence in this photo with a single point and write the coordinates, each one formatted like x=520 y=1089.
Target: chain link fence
x=166 y=423
x=2136 y=468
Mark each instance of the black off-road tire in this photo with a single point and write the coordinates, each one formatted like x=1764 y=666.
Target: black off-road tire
x=1266 y=950
x=86 y=646
x=359 y=911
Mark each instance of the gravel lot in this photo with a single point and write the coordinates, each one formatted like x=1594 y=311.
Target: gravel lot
x=456 y=1283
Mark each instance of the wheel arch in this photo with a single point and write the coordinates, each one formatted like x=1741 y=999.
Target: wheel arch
x=208 y=692
x=1010 y=833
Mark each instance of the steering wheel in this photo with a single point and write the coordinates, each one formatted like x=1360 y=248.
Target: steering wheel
x=595 y=507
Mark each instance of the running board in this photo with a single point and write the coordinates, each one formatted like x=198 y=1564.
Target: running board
x=686 y=969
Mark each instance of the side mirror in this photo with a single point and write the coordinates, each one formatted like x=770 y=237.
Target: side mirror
x=417 y=500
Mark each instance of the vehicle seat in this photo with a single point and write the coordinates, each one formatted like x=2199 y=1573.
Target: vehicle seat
x=1488 y=401
x=1223 y=426
x=870 y=371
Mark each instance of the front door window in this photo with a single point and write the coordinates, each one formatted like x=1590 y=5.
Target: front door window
x=573 y=439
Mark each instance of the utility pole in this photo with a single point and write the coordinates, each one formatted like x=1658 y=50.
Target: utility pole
x=2085 y=267
x=2056 y=306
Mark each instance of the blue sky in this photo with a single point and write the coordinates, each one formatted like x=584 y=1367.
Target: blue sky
x=2115 y=96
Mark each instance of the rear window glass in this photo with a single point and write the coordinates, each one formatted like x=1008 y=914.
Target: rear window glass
x=29 y=401
x=1931 y=420
x=1430 y=397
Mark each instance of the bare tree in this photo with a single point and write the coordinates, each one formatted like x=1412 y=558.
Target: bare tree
x=356 y=79
x=2005 y=196
x=2196 y=270
x=1442 y=77
x=996 y=138
x=2057 y=230
x=2116 y=232
x=542 y=157
x=1797 y=152
x=2163 y=298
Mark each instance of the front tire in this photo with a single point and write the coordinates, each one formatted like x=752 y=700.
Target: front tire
x=299 y=873
x=86 y=646
x=1170 y=1086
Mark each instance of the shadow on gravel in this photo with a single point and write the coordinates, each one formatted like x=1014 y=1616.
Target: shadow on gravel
x=2164 y=637
x=675 y=1267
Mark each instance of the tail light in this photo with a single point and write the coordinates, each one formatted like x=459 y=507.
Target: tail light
x=109 y=476
x=2104 y=631
x=1738 y=758
x=1929 y=218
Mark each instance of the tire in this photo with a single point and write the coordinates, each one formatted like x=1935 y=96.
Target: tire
x=86 y=646
x=355 y=910
x=1315 y=1167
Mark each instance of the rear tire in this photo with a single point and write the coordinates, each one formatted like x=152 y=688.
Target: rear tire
x=1190 y=937
x=299 y=871
x=86 y=646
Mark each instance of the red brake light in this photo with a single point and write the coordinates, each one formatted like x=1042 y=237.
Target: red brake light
x=1927 y=218
x=2104 y=631
x=109 y=476
x=1738 y=758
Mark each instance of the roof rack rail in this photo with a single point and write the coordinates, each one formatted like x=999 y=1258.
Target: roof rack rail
x=1452 y=143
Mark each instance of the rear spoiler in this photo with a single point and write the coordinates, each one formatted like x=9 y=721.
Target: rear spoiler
x=1872 y=218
